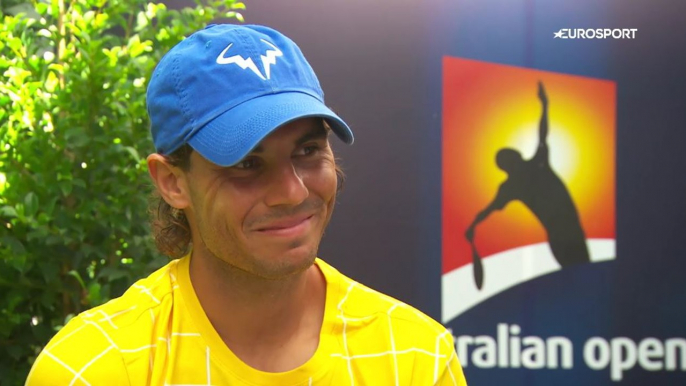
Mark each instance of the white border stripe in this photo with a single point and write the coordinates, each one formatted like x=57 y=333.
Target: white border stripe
x=505 y=270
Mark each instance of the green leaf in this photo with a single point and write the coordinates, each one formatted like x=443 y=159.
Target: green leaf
x=233 y=14
x=45 y=33
x=20 y=211
x=41 y=8
x=50 y=206
x=30 y=204
x=53 y=240
x=8 y=211
x=94 y=293
x=19 y=262
x=15 y=245
x=65 y=186
x=133 y=152
x=37 y=234
x=141 y=21
x=77 y=276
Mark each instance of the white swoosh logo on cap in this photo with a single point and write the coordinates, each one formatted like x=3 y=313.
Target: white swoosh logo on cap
x=268 y=59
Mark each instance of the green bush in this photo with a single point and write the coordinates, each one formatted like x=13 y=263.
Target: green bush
x=74 y=133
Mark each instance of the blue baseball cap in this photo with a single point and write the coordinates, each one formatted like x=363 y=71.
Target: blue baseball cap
x=223 y=89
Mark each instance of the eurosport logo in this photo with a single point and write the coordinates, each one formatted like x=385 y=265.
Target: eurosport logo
x=596 y=33
x=528 y=178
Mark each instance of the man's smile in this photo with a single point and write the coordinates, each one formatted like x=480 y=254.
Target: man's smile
x=287 y=227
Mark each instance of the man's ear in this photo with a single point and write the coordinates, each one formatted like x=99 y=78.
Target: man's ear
x=169 y=180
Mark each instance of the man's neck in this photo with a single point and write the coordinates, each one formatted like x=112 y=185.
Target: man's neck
x=259 y=318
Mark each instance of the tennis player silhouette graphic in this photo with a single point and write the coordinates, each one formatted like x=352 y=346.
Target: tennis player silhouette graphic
x=539 y=188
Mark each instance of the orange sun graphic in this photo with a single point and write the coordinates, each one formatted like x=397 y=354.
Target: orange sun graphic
x=488 y=107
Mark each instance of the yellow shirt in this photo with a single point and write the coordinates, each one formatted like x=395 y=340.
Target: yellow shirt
x=157 y=334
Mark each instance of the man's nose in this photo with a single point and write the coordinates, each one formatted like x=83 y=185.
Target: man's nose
x=287 y=186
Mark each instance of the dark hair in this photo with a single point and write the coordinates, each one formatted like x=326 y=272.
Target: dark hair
x=170 y=226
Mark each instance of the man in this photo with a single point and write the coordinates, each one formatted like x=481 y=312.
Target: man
x=537 y=186
x=248 y=183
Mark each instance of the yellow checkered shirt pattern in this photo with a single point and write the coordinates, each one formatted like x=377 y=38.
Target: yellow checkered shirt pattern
x=157 y=334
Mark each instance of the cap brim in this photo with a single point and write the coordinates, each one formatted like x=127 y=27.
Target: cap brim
x=232 y=135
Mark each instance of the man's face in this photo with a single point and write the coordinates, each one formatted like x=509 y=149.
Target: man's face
x=267 y=214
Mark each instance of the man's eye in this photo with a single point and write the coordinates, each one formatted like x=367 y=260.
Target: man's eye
x=248 y=163
x=310 y=149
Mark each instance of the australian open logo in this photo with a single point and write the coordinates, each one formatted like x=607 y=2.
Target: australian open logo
x=528 y=177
